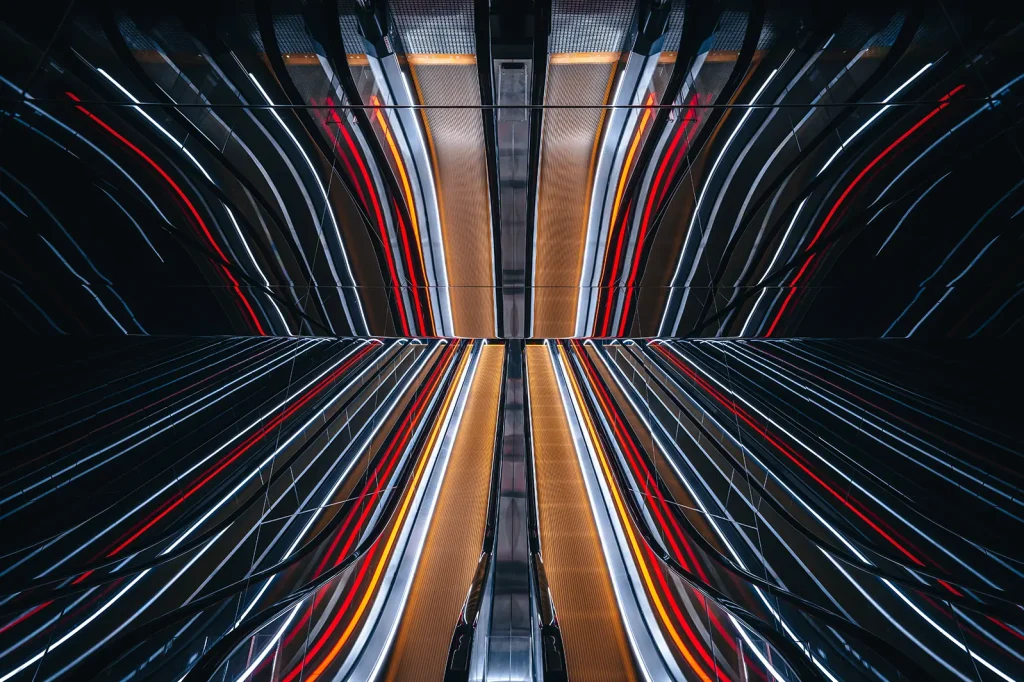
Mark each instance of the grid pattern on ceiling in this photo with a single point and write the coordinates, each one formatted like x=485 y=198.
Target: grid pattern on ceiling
x=854 y=33
x=312 y=83
x=773 y=22
x=292 y=36
x=133 y=37
x=588 y=26
x=732 y=26
x=165 y=34
x=932 y=29
x=435 y=26
x=887 y=36
x=350 y=34
x=729 y=32
x=674 y=29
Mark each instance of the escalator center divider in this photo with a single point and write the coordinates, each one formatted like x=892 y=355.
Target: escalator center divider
x=547 y=652
x=552 y=648
x=457 y=666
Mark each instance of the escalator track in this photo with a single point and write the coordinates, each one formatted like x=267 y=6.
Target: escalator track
x=451 y=551
x=594 y=638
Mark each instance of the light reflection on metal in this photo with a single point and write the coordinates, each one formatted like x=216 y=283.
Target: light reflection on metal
x=611 y=171
x=349 y=297
x=512 y=128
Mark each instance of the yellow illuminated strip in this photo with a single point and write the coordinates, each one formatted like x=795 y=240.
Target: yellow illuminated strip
x=410 y=493
x=627 y=526
x=590 y=169
x=585 y=57
x=627 y=162
x=428 y=59
x=405 y=183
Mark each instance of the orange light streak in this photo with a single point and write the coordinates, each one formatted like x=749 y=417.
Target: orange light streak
x=629 y=157
x=659 y=606
x=406 y=188
x=395 y=529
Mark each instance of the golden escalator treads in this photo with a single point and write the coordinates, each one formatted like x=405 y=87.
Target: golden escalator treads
x=592 y=632
x=456 y=533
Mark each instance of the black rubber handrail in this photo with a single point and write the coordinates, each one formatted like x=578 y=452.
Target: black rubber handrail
x=751 y=37
x=541 y=35
x=463 y=635
x=1006 y=606
x=184 y=548
x=325 y=27
x=208 y=664
x=647 y=32
x=272 y=50
x=113 y=649
x=794 y=655
x=485 y=76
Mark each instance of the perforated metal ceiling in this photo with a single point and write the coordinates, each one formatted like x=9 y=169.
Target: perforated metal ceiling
x=435 y=26
x=581 y=26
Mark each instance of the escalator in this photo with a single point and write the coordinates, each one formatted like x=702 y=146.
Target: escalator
x=565 y=580
x=588 y=616
x=453 y=542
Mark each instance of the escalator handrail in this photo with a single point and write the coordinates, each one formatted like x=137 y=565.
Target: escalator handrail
x=117 y=646
x=795 y=657
x=185 y=547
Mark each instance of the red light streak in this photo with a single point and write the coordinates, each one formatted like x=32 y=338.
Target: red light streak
x=615 y=208
x=610 y=296
x=244 y=447
x=188 y=203
x=654 y=198
x=412 y=280
x=409 y=198
x=140 y=410
x=762 y=430
x=661 y=509
x=385 y=240
x=389 y=459
x=860 y=176
x=792 y=291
